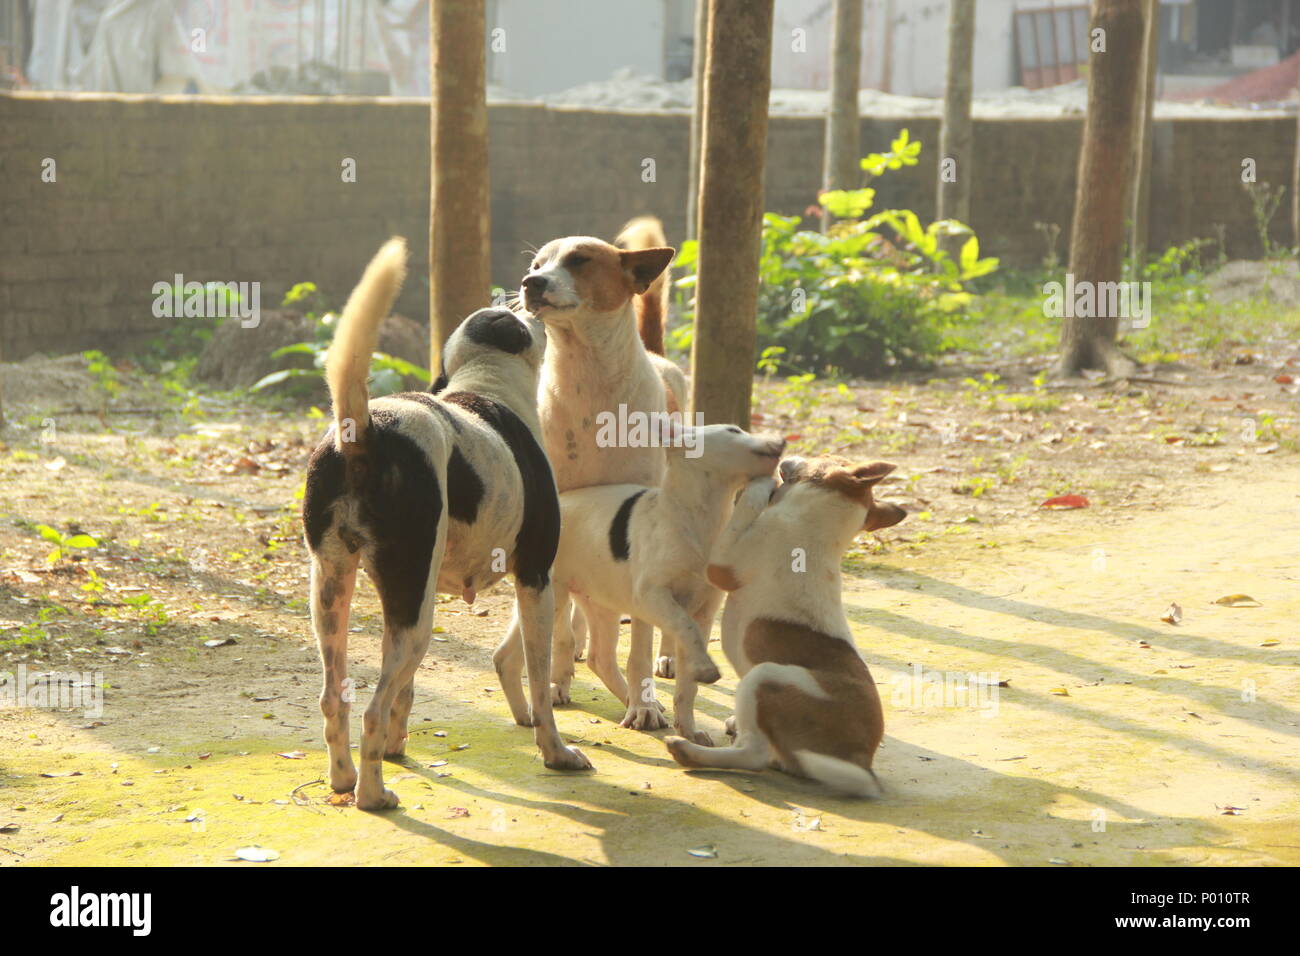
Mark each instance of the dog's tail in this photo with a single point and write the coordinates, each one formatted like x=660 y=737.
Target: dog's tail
x=347 y=365
x=647 y=232
x=840 y=775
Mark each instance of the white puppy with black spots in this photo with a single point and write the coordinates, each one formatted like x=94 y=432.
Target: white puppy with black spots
x=431 y=493
x=645 y=550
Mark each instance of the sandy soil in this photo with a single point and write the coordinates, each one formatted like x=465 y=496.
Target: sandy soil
x=1118 y=738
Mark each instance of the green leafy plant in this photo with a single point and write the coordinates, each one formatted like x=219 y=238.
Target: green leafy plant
x=868 y=294
x=63 y=542
x=386 y=371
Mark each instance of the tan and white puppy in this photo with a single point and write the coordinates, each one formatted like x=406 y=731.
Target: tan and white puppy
x=806 y=703
x=645 y=550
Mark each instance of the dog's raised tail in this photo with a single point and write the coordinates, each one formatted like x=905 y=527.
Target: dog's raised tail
x=347 y=365
x=647 y=232
x=840 y=775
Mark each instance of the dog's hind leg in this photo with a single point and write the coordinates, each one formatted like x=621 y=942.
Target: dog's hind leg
x=331 y=598
x=751 y=751
x=508 y=659
x=602 y=648
x=562 y=655
x=665 y=663
x=535 y=608
x=578 y=624
x=644 y=712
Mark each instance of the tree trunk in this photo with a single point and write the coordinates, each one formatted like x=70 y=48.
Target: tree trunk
x=1141 y=187
x=739 y=79
x=1295 y=185
x=955 y=139
x=843 y=126
x=1105 y=161
x=697 y=119
x=459 y=251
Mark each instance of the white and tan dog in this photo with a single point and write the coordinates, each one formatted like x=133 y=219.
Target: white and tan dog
x=645 y=550
x=432 y=493
x=588 y=292
x=806 y=703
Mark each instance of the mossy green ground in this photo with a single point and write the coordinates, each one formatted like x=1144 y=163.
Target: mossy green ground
x=1118 y=740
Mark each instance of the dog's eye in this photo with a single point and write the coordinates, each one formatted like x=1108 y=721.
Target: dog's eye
x=734 y=431
x=573 y=260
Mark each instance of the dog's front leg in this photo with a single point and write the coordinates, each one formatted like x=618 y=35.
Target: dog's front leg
x=331 y=599
x=404 y=648
x=644 y=712
x=685 y=690
x=562 y=653
x=536 y=611
x=662 y=609
x=602 y=648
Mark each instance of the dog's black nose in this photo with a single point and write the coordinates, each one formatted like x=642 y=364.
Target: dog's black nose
x=535 y=284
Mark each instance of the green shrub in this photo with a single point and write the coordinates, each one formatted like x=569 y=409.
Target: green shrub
x=854 y=298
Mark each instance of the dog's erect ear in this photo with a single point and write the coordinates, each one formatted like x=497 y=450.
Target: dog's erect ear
x=872 y=473
x=644 y=265
x=723 y=577
x=883 y=515
x=441 y=381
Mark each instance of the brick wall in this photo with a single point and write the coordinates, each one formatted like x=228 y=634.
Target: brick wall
x=250 y=189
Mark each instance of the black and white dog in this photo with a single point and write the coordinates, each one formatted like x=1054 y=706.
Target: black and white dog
x=432 y=493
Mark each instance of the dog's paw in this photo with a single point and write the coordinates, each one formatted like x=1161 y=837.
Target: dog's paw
x=386 y=800
x=580 y=651
x=694 y=736
x=343 y=781
x=526 y=720
x=396 y=750
x=706 y=672
x=730 y=726
x=568 y=758
x=560 y=695
x=680 y=750
x=645 y=717
x=665 y=667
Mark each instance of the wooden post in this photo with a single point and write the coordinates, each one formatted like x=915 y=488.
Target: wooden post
x=955 y=139
x=459 y=250
x=739 y=80
x=1105 y=165
x=843 y=126
x=1141 y=188
x=697 y=118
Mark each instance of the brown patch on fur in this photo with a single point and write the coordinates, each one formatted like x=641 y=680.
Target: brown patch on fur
x=601 y=281
x=848 y=724
x=722 y=576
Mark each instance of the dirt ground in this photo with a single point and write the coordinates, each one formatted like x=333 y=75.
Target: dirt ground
x=1117 y=738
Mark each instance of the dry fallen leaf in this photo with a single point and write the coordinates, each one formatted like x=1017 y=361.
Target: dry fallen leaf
x=1066 y=501
x=1174 y=615
x=1238 y=600
x=292 y=755
x=1060 y=692
x=1270 y=643
x=706 y=852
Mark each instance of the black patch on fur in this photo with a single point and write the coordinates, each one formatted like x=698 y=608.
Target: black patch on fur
x=619 y=545
x=539 y=534
x=325 y=483
x=400 y=506
x=464 y=488
x=498 y=329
